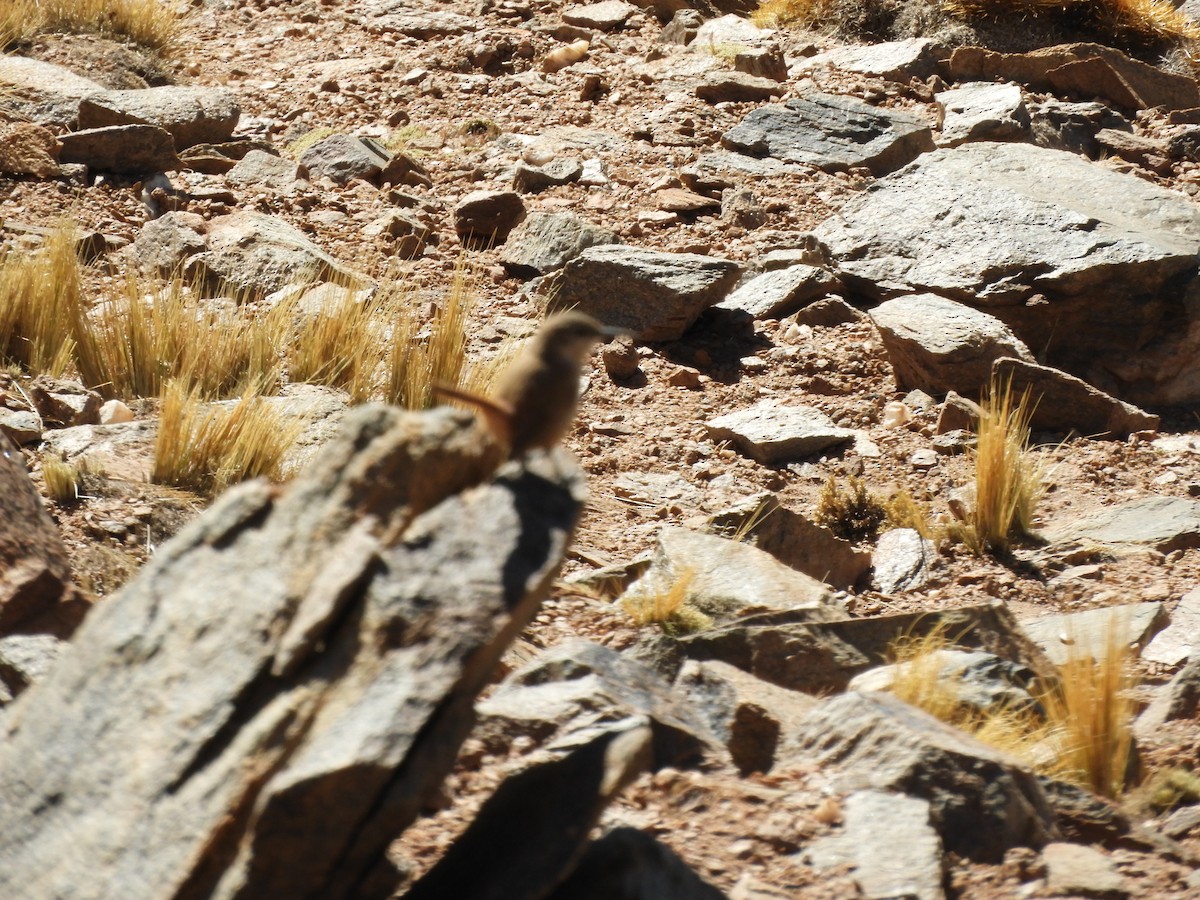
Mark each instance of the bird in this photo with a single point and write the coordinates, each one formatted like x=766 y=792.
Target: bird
x=534 y=402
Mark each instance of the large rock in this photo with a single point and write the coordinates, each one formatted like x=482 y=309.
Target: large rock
x=774 y=434
x=939 y=345
x=36 y=594
x=1092 y=633
x=548 y=241
x=121 y=149
x=566 y=696
x=342 y=158
x=45 y=93
x=1163 y=523
x=1083 y=263
x=487 y=217
x=894 y=60
x=193 y=115
x=293 y=674
x=165 y=243
x=778 y=293
x=259 y=169
x=831 y=133
x=654 y=294
x=27 y=149
x=724 y=578
x=259 y=254
x=1066 y=403
x=983 y=802
x=982 y=111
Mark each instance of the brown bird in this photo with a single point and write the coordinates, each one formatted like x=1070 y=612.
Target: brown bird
x=536 y=396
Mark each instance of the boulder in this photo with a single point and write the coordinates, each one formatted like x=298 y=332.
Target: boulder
x=342 y=158
x=774 y=434
x=780 y=292
x=1088 y=265
x=654 y=294
x=982 y=111
x=121 y=149
x=487 y=217
x=296 y=663
x=193 y=115
x=27 y=149
x=43 y=92
x=545 y=242
x=899 y=61
x=265 y=171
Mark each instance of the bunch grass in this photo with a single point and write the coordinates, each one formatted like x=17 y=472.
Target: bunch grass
x=151 y=23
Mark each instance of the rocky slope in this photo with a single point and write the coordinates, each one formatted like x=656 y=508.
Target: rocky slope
x=823 y=251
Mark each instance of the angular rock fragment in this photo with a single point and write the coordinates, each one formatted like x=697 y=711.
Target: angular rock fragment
x=654 y=294
x=529 y=179
x=193 y=115
x=724 y=579
x=43 y=92
x=902 y=560
x=27 y=149
x=1090 y=634
x=566 y=696
x=774 y=434
x=65 y=403
x=1077 y=871
x=1063 y=403
x=831 y=133
x=265 y=170
x=890 y=841
x=1164 y=523
x=342 y=158
x=608 y=15
x=982 y=111
x=121 y=149
x=778 y=293
x=982 y=682
x=548 y=241
x=487 y=217
x=736 y=87
x=1179 y=641
x=295 y=664
x=982 y=801
x=894 y=60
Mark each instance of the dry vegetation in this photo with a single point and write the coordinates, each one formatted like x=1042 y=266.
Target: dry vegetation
x=1083 y=733
x=151 y=23
x=668 y=607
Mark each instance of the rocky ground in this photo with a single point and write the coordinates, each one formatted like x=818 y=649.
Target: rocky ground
x=651 y=139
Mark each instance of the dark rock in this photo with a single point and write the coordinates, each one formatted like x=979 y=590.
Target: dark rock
x=655 y=295
x=519 y=847
x=342 y=158
x=982 y=801
x=65 y=403
x=121 y=149
x=296 y=663
x=831 y=133
x=487 y=217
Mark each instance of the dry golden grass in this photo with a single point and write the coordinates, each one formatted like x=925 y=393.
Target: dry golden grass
x=340 y=346
x=1085 y=735
x=1008 y=477
x=61 y=479
x=668 y=607
x=207 y=447
x=905 y=512
x=151 y=23
x=41 y=306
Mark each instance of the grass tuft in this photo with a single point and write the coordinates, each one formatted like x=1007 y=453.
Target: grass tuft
x=151 y=23
x=207 y=447
x=1008 y=478
x=668 y=608
x=339 y=346
x=854 y=514
x=41 y=301
x=61 y=479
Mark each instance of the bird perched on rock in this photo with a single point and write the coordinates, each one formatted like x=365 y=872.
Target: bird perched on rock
x=536 y=396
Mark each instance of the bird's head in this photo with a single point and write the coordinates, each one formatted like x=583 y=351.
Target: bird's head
x=573 y=334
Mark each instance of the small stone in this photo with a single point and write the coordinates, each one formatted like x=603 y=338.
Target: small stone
x=1075 y=870
x=488 y=216
x=113 y=412
x=685 y=377
x=924 y=458
x=620 y=358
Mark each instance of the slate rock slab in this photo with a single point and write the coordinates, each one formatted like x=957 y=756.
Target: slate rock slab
x=1077 y=870
x=43 y=92
x=982 y=111
x=725 y=578
x=121 y=149
x=1164 y=523
x=193 y=115
x=779 y=293
x=1083 y=263
x=894 y=60
x=608 y=15
x=983 y=802
x=548 y=241
x=775 y=434
x=653 y=294
x=1179 y=641
x=565 y=696
x=1066 y=403
x=296 y=670
x=342 y=158
x=939 y=345
x=1089 y=633
x=891 y=843
x=831 y=133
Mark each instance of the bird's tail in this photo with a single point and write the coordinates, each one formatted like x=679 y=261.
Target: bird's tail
x=496 y=414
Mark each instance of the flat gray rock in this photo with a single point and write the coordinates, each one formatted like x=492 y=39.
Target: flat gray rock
x=342 y=158
x=607 y=15
x=1079 y=871
x=939 y=345
x=774 y=434
x=265 y=170
x=890 y=841
x=1065 y=403
x=983 y=801
x=1180 y=640
x=1086 y=264
x=545 y=242
x=193 y=115
x=982 y=111
x=1164 y=523
x=165 y=243
x=737 y=87
x=775 y=294
x=41 y=91
x=894 y=60
x=654 y=294
x=396 y=17
x=724 y=578
x=831 y=133
x=121 y=149
x=1089 y=633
